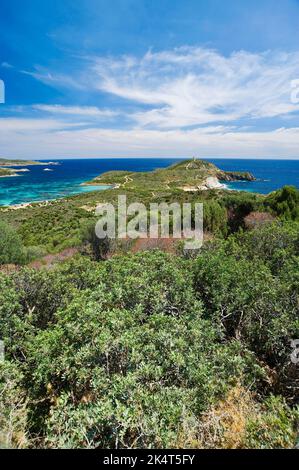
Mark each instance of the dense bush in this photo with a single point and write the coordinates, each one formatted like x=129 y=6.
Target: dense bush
x=239 y=205
x=153 y=350
x=11 y=248
x=273 y=244
x=98 y=248
x=13 y=407
x=215 y=218
x=121 y=378
x=249 y=286
x=285 y=203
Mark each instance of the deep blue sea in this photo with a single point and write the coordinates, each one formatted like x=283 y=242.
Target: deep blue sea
x=66 y=178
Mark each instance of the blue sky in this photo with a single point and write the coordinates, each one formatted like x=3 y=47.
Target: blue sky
x=92 y=78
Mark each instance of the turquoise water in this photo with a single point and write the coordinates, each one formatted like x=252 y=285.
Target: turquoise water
x=66 y=178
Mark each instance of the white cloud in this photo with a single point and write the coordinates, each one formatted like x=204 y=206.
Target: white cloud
x=54 y=79
x=218 y=141
x=189 y=86
x=189 y=101
x=194 y=86
x=76 y=110
x=32 y=126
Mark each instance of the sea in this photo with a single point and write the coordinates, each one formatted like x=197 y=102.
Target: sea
x=66 y=178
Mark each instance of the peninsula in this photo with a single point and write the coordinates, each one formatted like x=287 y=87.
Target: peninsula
x=190 y=175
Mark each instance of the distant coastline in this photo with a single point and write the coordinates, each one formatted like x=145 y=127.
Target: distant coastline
x=16 y=163
x=11 y=168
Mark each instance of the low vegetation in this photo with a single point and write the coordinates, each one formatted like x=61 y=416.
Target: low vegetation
x=116 y=348
x=183 y=175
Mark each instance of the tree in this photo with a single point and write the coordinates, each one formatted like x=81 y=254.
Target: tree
x=100 y=248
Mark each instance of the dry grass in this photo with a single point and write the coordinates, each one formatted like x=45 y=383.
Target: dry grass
x=223 y=426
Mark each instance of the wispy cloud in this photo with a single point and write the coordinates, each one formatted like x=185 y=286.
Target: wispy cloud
x=195 y=86
x=189 y=86
x=91 y=111
x=32 y=126
x=55 y=79
x=184 y=102
x=6 y=65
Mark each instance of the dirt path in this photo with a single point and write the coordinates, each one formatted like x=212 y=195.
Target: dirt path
x=128 y=180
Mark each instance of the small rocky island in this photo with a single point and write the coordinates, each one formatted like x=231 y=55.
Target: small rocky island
x=4 y=172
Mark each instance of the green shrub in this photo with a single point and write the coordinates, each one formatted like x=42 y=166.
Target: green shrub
x=276 y=427
x=272 y=244
x=285 y=203
x=11 y=248
x=147 y=350
x=34 y=252
x=117 y=378
x=215 y=218
x=251 y=304
x=13 y=408
x=99 y=248
x=239 y=205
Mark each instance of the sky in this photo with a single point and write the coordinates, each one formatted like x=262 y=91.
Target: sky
x=149 y=78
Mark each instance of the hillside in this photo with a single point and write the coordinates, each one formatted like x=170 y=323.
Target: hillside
x=42 y=224
x=114 y=343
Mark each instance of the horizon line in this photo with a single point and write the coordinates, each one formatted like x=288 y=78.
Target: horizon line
x=151 y=158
